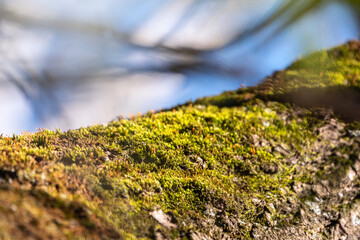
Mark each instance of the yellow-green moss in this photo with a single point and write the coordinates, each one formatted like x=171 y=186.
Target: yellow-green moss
x=222 y=161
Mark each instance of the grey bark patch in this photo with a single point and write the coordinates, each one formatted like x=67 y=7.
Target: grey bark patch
x=198 y=236
x=164 y=219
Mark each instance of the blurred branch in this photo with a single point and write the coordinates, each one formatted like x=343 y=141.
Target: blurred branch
x=288 y=12
x=185 y=17
x=97 y=30
x=299 y=12
x=37 y=89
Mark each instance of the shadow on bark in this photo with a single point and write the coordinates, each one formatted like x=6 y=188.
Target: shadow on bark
x=344 y=101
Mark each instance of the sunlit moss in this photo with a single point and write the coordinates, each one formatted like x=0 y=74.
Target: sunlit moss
x=220 y=162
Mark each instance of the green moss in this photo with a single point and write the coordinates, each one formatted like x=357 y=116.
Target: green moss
x=184 y=161
x=223 y=161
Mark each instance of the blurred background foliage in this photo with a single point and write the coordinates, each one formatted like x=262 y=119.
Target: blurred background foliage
x=72 y=63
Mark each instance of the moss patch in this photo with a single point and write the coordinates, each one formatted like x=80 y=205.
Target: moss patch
x=238 y=165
